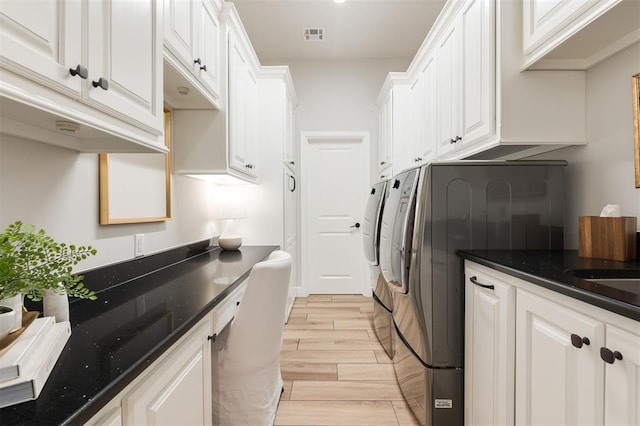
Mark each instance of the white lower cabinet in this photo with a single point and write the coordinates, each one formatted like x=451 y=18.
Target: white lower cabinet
x=489 y=349
x=557 y=382
x=622 y=384
x=178 y=389
x=534 y=356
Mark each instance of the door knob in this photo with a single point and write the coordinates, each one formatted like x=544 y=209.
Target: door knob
x=357 y=225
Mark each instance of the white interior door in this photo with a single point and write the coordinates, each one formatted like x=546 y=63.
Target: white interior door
x=335 y=181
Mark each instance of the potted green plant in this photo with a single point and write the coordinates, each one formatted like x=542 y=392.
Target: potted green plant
x=32 y=264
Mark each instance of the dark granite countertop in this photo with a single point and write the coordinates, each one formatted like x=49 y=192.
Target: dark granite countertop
x=143 y=307
x=549 y=269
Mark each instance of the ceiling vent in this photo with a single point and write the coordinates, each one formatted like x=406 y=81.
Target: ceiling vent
x=314 y=34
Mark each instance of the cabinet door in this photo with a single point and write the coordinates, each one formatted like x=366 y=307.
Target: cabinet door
x=43 y=41
x=289 y=133
x=489 y=349
x=180 y=33
x=448 y=77
x=557 y=383
x=401 y=128
x=385 y=125
x=290 y=232
x=242 y=103
x=178 y=390
x=478 y=70
x=541 y=19
x=622 y=389
x=131 y=66
x=209 y=48
x=428 y=110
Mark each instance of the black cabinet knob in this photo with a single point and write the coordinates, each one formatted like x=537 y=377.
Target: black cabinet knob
x=102 y=83
x=609 y=356
x=357 y=225
x=197 y=61
x=452 y=140
x=382 y=163
x=417 y=159
x=578 y=341
x=80 y=71
x=458 y=138
x=204 y=68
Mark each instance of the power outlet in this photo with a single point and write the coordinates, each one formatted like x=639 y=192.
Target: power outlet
x=138 y=245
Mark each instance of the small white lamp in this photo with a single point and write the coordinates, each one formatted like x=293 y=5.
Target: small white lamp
x=228 y=211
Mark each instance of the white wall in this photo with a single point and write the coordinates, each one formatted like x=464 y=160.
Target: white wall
x=341 y=95
x=602 y=172
x=57 y=189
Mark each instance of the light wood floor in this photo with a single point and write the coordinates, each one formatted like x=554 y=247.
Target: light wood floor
x=335 y=371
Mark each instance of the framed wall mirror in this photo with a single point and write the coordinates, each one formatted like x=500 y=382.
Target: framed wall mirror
x=635 y=80
x=136 y=188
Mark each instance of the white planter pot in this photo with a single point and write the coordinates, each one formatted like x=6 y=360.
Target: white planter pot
x=7 y=319
x=55 y=305
x=15 y=303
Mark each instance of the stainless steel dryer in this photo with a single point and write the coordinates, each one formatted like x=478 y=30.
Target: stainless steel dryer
x=382 y=303
x=430 y=213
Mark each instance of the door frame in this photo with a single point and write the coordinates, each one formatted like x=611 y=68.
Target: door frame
x=305 y=138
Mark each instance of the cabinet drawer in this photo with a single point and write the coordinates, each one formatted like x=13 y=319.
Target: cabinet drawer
x=224 y=313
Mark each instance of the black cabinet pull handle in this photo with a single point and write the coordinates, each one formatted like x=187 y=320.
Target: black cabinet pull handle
x=80 y=71
x=609 y=356
x=102 y=83
x=197 y=61
x=458 y=138
x=382 y=163
x=578 y=341
x=292 y=162
x=357 y=225
x=293 y=180
x=452 y=140
x=204 y=68
x=396 y=184
x=478 y=283
x=212 y=338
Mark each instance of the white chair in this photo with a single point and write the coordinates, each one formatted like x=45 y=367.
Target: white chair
x=246 y=368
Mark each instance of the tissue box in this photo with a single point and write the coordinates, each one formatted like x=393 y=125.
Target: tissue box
x=612 y=238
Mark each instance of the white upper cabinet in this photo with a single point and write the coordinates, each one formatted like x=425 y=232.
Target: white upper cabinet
x=485 y=106
x=44 y=44
x=242 y=106
x=447 y=53
x=125 y=74
x=577 y=34
x=466 y=79
x=385 y=132
x=192 y=53
x=72 y=75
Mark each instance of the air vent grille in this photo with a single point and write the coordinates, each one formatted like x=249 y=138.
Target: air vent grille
x=314 y=34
